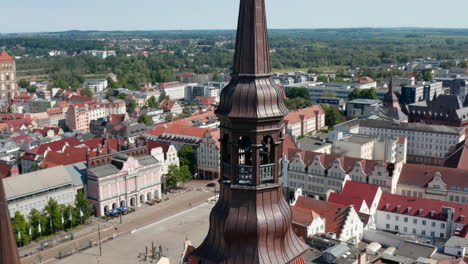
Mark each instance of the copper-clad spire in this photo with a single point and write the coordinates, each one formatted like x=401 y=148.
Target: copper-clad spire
x=252 y=55
x=251 y=222
x=252 y=94
x=8 y=249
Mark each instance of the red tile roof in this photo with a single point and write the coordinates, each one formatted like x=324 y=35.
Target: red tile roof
x=71 y=155
x=201 y=100
x=167 y=105
x=8 y=170
x=79 y=98
x=170 y=85
x=303 y=216
x=4 y=56
x=428 y=205
x=55 y=111
x=355 y=193
x=421 y=175
x=364 y=80
x=54 y=146
x=334 y=214
x=296 y=116
x=176 y=129
x=44 y=130
x=115 y=119
x=459 y=157
x=347 y=163
x=93 y=143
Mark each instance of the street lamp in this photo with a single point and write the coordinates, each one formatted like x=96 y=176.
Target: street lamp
x=99 y=237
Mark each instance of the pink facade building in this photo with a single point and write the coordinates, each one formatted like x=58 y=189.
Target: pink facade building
x=80 y=115
x=123 y=179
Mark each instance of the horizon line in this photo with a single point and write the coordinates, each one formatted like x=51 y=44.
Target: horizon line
x=233 y=29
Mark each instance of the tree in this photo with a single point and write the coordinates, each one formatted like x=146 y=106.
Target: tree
x=145 y=119
x=332 y=115
x=152 y=102
x=184 y=174
x=216 y=78
x=172 y=176
x=122 y=96
x=36 y=218
x=20 y=228
x=54 y=215
x=298 y=93
x=363 y=94
x=163 y=96
x=87 y=92
x=297 y=103
x=187 y=157
x=323 y=78
x=329 y=94
x=81 y=202
x=450 y=41
x=169 y=116
x=131 y=106
x=23 y=83
x=427 y=75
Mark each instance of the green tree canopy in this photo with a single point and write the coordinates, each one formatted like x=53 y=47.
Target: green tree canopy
x=82 y=202
x=152 y=103
x=20 y=228
x=54 y=215
x=363 y=94
x=427 y=75
x=145 y=119
x=297 y=103
x=173 y=176
x=131 y=106
x=187 y=157
x=332 y=115
x=298 y=93
x=87 y=92
x=122 y=96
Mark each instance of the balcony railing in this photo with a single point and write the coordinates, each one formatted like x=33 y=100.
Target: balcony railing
x=245 y=174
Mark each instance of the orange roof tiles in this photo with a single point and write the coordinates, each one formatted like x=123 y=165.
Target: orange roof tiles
x=421 y=175
x=354 y=193
x=177 y=129
x=4 y=56
x=295 y=116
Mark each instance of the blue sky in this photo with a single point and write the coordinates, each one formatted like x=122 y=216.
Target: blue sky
x=59 y=15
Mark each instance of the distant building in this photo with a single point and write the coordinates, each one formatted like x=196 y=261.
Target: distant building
x=80 y=115
x=458 y=85
x=362 y=107
x=171 y=106
x=427 y=144
x=96 y=85
x=333 y=101
x=424 y=91
x=446 y=110
x=420 y=217
x=431 y=182
x=40 y=105
x=305 y=121
x=208 y=156
x=175 y=90
x=8 y=86
x=194 y=91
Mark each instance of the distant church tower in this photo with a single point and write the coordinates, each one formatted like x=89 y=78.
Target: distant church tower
x=251 y=222
x=8 y=86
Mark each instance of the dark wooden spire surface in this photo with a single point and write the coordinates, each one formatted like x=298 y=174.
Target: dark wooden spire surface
x=251 y=94
x=251 y=222
x=8 y=249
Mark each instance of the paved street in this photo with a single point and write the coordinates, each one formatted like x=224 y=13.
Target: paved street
x=170 y=233
x=131 y=222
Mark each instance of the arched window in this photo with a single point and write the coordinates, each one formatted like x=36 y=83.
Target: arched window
x=267 y=153
x=245 y=151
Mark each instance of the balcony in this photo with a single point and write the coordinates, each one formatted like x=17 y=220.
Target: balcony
x=245 y=174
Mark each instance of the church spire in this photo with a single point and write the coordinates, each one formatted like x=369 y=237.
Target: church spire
x=390 y=99
x=252 y=57
x=8 y=249
x=251 y=222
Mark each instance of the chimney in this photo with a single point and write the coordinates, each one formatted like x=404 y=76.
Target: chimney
x=421 y=211
x=398 y=207
x=387 y=207
x=409 y=209
x=432 y=213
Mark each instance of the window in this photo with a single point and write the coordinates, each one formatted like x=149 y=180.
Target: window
x=432 y=234
x=405 y=229
x=415 y=221
x=396 y=228
x=423 y=232
x=388 y=217
x=442 y=235
x=442 y=225
x=433 y=224
x=424 y=222
x=397 y=218
x=405 y=219
x=387 y=226
x=414 y=230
